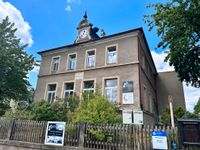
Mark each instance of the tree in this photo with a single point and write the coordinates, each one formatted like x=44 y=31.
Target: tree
x=197 y=108
x=14 y=64
x=97 y=110
x=165 y=116
x=178 y=25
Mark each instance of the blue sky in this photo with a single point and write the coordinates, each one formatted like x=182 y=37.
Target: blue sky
x=46 y=24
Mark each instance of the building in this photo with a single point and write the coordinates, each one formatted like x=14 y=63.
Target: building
x=120 y=65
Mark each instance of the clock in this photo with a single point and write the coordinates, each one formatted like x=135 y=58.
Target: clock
x=83 y=33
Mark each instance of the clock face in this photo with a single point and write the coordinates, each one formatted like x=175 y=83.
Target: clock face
x=83 y=33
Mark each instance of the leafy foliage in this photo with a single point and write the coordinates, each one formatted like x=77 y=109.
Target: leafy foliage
x=14 y=63
x=197 y=108
x=165 y=116
x=97 y=110
x=178 y=25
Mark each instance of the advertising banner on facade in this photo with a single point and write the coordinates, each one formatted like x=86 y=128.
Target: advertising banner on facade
x=159 y=140
x=127 y=92
x=55 y=132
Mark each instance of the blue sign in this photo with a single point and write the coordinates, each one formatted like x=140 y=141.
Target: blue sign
x=159 y=133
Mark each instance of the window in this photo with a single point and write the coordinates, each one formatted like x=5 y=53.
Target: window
x=72 y=62
x=55 y=64
x=111 y=55
x=69 y=89
x=51 y=93
x=90 y=60
x=111 y=89
x=89 y=86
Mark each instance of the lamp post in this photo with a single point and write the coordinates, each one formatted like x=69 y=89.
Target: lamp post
x=170 y=99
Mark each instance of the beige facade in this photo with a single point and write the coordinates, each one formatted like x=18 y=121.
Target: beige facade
x=129 y=60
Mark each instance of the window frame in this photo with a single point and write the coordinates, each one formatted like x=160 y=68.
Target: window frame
x=86 y=80
x=106 y=54
x=64 y=84
x=68 y=60
x=47 y=92
x=86 y=58
x=52 y=64
x=118 y=87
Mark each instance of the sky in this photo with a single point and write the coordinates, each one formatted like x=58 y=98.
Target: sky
x=45 y=24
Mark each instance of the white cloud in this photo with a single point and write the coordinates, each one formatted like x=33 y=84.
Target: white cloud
x=68 y=8
x=159 y=62
x=191 y=94
x=23 y=32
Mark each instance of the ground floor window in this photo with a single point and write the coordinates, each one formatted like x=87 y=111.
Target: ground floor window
x=51 y=93
x=111 y=90
x=68 y=89
x=88 y=86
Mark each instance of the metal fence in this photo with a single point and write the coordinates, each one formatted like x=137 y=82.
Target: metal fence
x=111 y=137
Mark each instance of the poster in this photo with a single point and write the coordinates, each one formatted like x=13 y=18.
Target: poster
x=159 y=140
x=127 y=116
x=55 y=132
x=127 y=92
x=138 y=117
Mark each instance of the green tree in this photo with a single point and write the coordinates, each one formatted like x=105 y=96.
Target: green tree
x=14 y=64
x=178 y=112
x=97 y=110
x=177 y=23
x=197 y=108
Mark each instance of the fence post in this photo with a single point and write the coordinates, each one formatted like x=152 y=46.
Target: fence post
x=11 y=126
x=82 y=126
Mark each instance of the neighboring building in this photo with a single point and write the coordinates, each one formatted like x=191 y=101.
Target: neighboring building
x=119 y=65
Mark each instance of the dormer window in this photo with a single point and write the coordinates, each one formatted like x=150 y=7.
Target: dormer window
x=55 y=64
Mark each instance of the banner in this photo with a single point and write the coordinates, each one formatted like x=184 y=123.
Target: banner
x=55 y=133
x=127 y=92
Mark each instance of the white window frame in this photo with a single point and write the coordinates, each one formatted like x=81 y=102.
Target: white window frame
x=51 y=92
x=69 y=60
x=53 y=63
x=89 y=89
x=68 y=91
x=107 y=62
x=112 y=89
x=87 y=57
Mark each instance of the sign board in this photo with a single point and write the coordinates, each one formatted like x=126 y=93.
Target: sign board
x=159 y=140
x=79 y=75
x=127 y=92
x=55 y=132
x=138 y=117
x=127 y=116
x=189 y=131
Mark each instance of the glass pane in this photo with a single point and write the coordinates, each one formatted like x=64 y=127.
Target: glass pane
x=69 y=86
x=114 y=94
x=111 y=83
x=88 y=84
x=90 y=61
x=51 y=87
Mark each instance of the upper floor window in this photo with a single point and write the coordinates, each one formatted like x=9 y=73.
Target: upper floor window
x=90 y=59
x=51 y=93
x=111 y=89
x=55 y=64
x=111 y=55
x=72 y=61
x=89 y=86
x=68 y=89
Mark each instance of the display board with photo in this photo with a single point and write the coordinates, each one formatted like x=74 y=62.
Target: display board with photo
x=55 y=133
x=127 y=92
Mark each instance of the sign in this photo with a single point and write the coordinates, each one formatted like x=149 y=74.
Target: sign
x=127 y=116
x=159 y=140
x=127 y=92
x=79 y=75
x=138 y=117
x=55 y=133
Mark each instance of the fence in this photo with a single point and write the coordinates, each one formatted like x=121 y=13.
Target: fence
x=112 y=137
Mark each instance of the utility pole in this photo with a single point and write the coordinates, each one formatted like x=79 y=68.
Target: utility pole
x=170 y=99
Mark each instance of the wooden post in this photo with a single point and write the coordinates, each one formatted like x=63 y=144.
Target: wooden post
x=82 y=126
x=11 y=126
